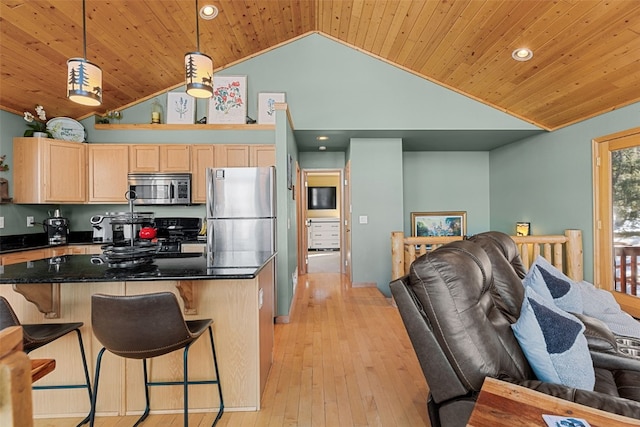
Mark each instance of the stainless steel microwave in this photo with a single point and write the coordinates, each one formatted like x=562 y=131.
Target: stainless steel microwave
x=160 y=188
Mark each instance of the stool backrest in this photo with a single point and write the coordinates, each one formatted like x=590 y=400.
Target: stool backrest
x=139 y=326
x=7 y=315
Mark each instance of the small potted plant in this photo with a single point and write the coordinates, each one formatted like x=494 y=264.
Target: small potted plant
x=37 y=126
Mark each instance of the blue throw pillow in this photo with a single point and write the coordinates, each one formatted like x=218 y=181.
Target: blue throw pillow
x=554 y=344
x=554 y=285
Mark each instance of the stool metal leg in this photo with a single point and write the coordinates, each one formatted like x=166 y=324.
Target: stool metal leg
x=215 y=364
x=92 y=413
x=145 y=414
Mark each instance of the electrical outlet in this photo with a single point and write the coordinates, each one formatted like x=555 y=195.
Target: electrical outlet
x=30 y=221
x=1 y=222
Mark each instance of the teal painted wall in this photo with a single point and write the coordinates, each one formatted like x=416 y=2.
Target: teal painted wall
x=376 y=192
x=447 y=181
x=322 y=160
x=547 y=180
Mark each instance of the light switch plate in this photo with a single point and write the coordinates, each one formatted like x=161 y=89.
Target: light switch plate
x=1 y=222
x=363 y=219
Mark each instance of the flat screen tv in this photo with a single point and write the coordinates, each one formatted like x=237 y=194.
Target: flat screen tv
x=321 y=198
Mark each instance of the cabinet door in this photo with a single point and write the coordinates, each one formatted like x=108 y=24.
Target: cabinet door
x=232 y=155
x=65 y=171
x=202 y=157
x=144 y=158
x=108 y=167
x=262 y=155
x=175 y=158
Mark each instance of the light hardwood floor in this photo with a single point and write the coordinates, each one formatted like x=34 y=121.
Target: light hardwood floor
x=344 y=360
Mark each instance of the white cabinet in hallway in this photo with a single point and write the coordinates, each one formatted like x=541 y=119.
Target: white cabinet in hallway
x=324 y=233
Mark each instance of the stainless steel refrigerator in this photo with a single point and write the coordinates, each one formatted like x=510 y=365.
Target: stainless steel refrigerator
x=241 y=209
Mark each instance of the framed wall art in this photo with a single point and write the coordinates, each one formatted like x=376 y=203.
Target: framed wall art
x=228 y=105
x=523 y=228
x=438 y=223
x=266 y=106
x=181 y=108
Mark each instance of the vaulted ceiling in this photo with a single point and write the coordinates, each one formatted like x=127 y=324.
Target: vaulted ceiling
x=586 y=53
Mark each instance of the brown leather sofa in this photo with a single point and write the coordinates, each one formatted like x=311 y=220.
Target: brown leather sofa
x=458 y=303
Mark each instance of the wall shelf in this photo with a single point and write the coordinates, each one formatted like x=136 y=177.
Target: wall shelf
x=149 y=126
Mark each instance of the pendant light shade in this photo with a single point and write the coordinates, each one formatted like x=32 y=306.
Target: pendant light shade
x=198 y=69
x=84 y=84
x=199 y=74
x=84 y=79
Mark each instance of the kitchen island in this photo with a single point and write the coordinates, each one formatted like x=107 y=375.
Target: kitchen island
x=235 y=289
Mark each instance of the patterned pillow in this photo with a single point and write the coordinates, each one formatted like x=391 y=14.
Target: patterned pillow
x=554 y=285
x=554 y=344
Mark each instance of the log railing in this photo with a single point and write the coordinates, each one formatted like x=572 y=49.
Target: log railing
x=563 y=251
x=627 y=258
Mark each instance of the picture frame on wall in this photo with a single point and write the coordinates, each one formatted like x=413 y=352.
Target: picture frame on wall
x=228 y=105
x=439 y=223
x=523 y=228
x=181 y=108
x=266 y=106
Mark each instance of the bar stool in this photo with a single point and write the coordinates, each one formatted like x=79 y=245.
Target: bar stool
x=143 y=327
x=38 y=335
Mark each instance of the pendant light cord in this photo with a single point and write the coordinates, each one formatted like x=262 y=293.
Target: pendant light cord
x=84 y=30
x=197 y=29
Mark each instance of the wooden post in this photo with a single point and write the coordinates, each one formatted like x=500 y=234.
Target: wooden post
x=397 y=254
x=574 y=254
x=16 y=408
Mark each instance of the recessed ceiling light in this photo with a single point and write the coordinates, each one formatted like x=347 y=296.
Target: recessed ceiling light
x=522 y=54
x=208 y=11
x=322 y=148
x=322 y=138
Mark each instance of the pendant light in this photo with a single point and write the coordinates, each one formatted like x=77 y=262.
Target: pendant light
x=84 y=79
x=198 y=69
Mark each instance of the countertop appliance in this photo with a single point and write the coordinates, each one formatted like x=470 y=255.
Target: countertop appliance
x=241 y=209
x=57 y=229
x=102 y=230
x=160 y=188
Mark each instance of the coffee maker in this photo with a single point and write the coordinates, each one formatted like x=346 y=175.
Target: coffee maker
x=57 y=229
x=102 y=228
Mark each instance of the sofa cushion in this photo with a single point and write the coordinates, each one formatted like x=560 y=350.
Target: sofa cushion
x=553 y=343
x=553 y=284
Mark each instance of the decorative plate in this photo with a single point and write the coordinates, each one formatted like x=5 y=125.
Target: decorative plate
x=66 y=129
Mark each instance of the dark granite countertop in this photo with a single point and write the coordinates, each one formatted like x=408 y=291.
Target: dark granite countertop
x=94 y=268
x=26 y=242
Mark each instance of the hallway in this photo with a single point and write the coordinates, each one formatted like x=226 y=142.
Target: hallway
x=343 y=360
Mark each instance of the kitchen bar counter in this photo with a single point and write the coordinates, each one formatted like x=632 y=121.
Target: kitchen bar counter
x=94 y=268
x=235 y=289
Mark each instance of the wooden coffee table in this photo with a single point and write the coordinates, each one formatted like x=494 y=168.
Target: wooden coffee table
x=505 y=404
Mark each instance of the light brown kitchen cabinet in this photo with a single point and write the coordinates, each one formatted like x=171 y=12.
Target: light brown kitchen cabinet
x=202 y=157
x=262 y=155
x=232 y=155
x=24 y=256
x=159 y=158
x=49 y=171
x=108 y=168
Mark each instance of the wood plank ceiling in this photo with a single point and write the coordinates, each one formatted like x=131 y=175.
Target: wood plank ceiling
x=586 y=52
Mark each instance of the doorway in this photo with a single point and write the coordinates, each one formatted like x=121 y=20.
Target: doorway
x=321 y=204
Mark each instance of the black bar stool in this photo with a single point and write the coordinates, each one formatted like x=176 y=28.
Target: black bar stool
x=38 y=335
x=143 y=327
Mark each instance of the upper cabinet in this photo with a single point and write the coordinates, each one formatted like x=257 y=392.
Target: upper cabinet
x=202 y=157
x=232 y=155
x=108 y=168
x=262 y=155
x=159 y=158
x=49 y=171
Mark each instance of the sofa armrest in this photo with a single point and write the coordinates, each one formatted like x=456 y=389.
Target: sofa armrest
x=605 y=350
x=593 y=399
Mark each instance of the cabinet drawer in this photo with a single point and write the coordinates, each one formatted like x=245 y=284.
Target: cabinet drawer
x=326 y=226
x=319 y=244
